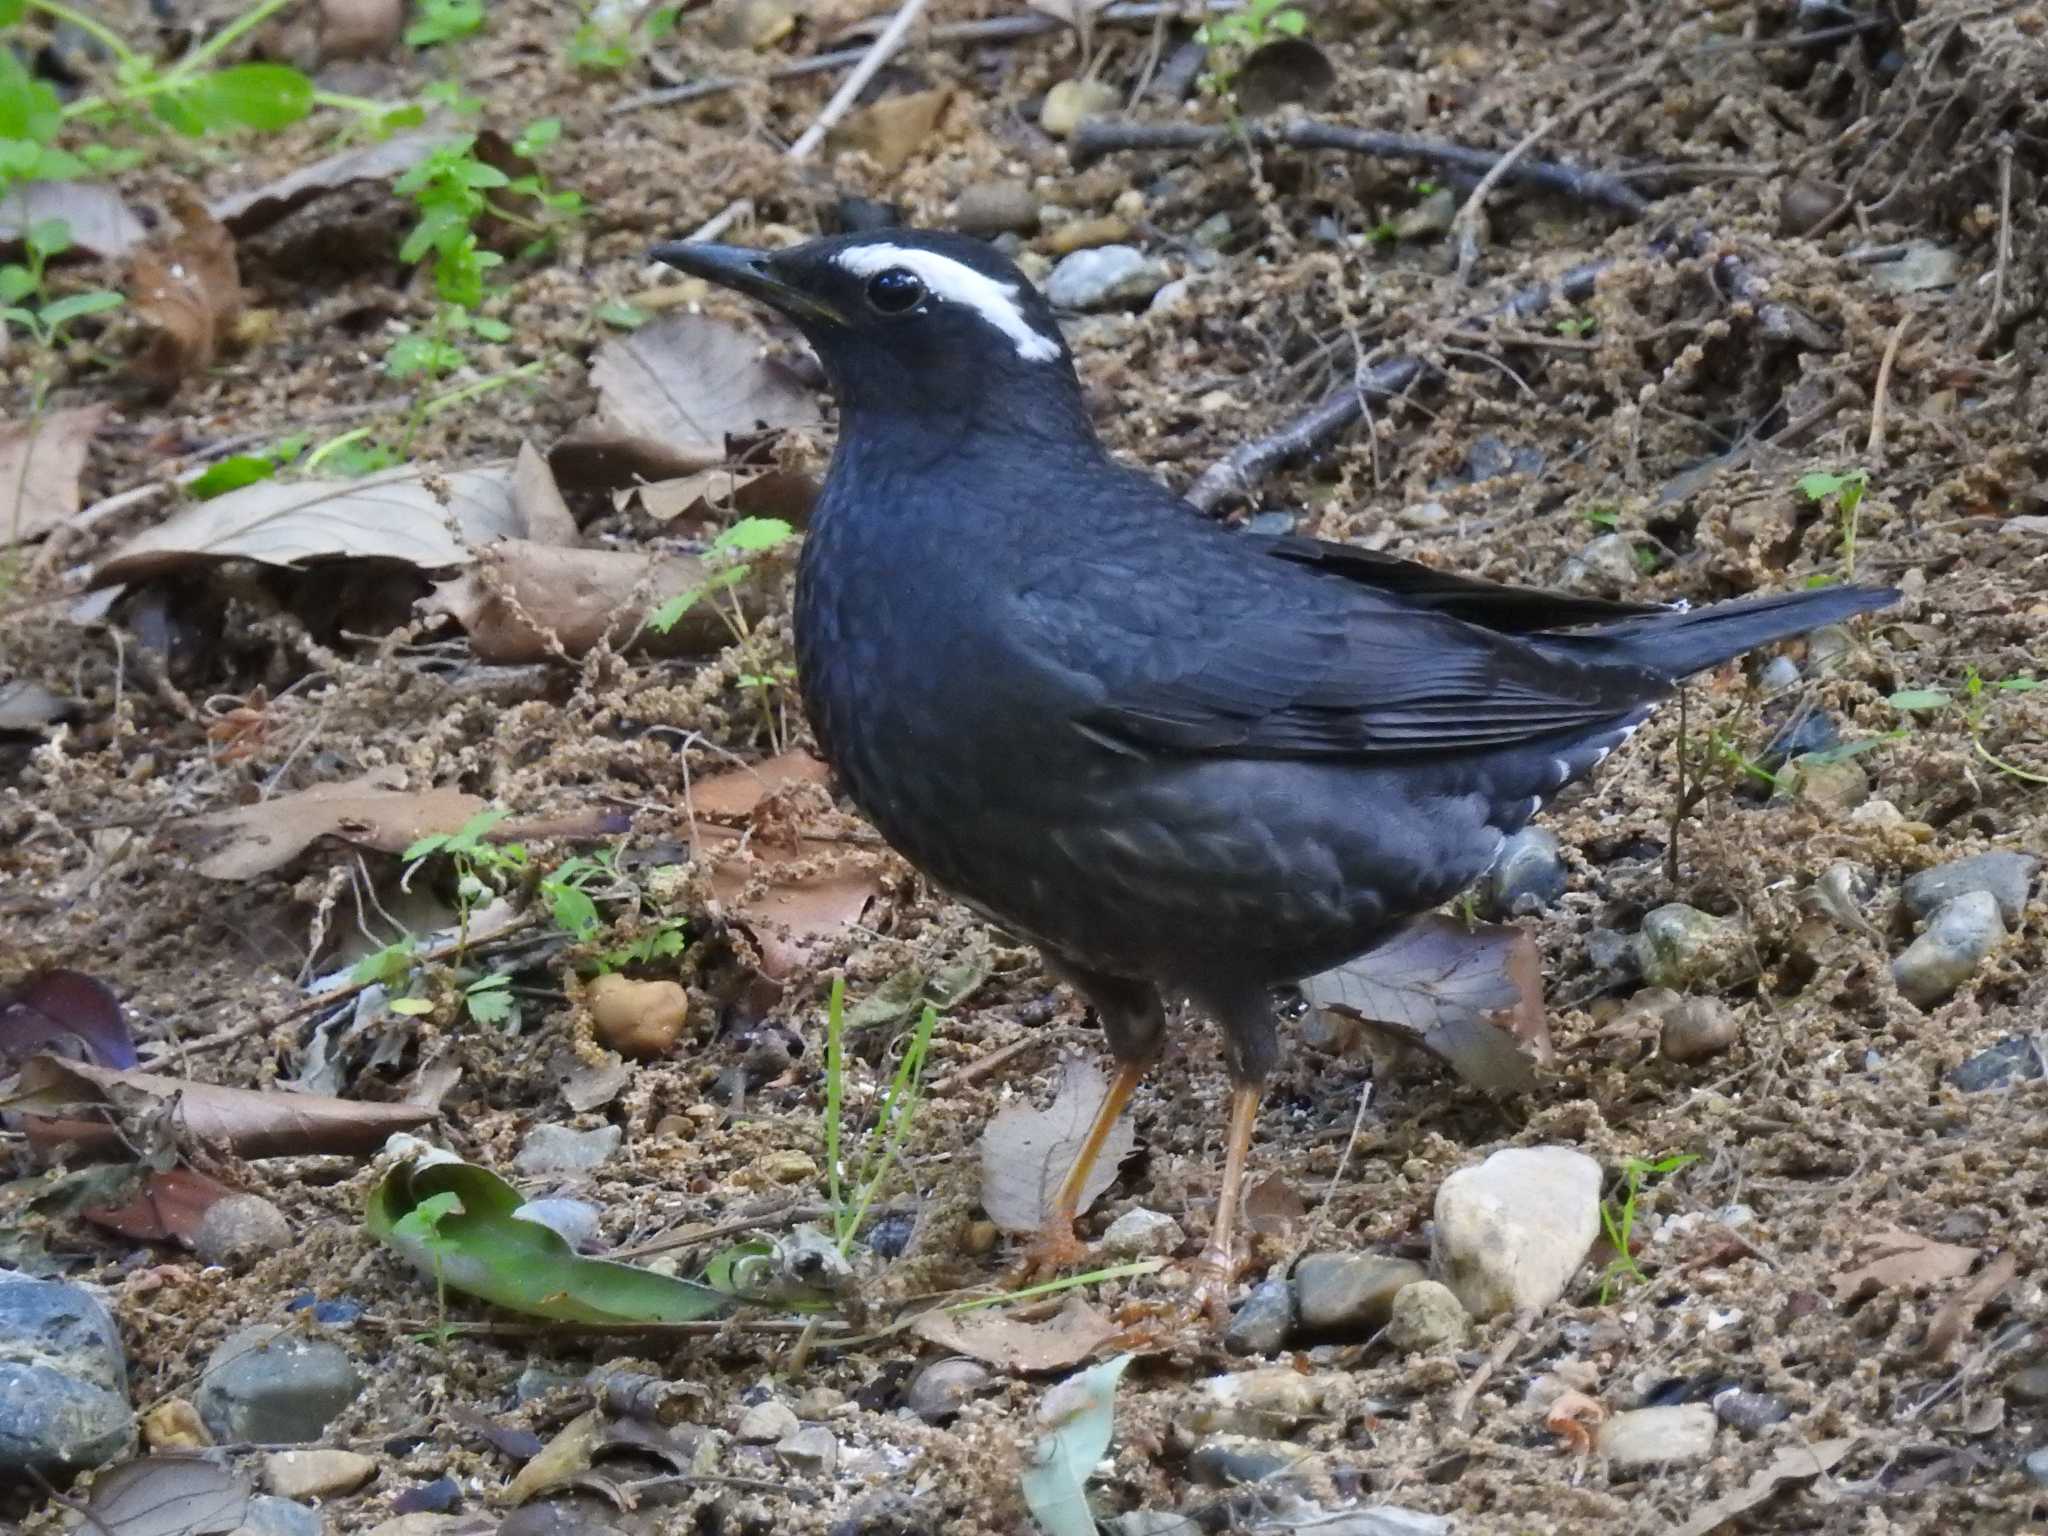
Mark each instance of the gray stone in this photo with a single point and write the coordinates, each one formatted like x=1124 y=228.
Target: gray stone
x=766 y=1423
x=942 y=1388
x=995 y=208
x=1260 y=1326
x=240 y=1229
x=1104 y=276
x=1682 y=947
x=2005 y=875
x=1948 y=952
x=574 y=1221
x=2036 y=1466
x=1918 y=265
x=1143 y=1234
x=1698 y=1027
x=1426 y=1316
x=1226 y=1461
x=2014 y=1059
x=1528 y=876
x=1778 y=674
x=63 y=1379
x=811 y=1449
x=537 y=1381
x=274 y=1387
x=1739 y=1408
x=1154 y=1522
x=267 y=1515
x=1608 y=564
x=1647 y=1437
x=1512 y=1231
x=1826 y=783
x=2029 y=1383
x=558 y=1149
x=322 y=1473
x=1349 y=1292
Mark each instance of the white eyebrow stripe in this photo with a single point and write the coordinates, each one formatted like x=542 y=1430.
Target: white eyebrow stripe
x=957 y=283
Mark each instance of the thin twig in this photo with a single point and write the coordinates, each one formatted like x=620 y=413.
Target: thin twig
x=2004 y=243
x=994 y=1061
x=1101 y=136
x=1874 y=446
x=1461 y=1404
x=879 y=53
x=724 y=219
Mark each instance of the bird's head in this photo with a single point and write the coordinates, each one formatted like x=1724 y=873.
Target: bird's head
x=918 y=325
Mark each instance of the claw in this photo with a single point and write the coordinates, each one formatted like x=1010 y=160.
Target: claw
x=1054 y=1249
x=1209 y=1297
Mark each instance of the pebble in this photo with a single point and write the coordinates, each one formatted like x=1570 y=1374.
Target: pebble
x=1260 y=1326
x=537 y=1381
x=238 y=1230
x=1825 y=783
x=1528 y=876
x=2014 y=1058
x=1426 y=1316
x=1154 y=1522
x=1067 y=103
x=788 y=1167
x=264 y=1515
x=1919 y=266
x=1085 y=234
x=1778 y=674
x=558 y=1149
x=1213 y=233
x=1748 y=1411
x=1810 y=731
x=263 y=1384
x=1143 y=1234
x=1646 y=1437
x=1697 y=1028
x=1947 y=954
x=2004 y=875
x=321 y=1474
x=63 y=1380
x=943 y=1388
x=1431 y=216
x=1804 y=203
x=1228 y=1461
x=1605 y=565
x=638 y=1018
x=766 y=1423
x=1103 y=276
x=1349 y=1292
x=996 y=208
x=810 y=1449
x=1828 y=647
x=2036 y=1465
x=1513 y=1230
x=574 y=1221
x=1682 y=947
x=1264 y=1401
x=2029 y=1383
x=174 y=1425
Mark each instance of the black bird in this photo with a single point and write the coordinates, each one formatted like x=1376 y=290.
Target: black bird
x=1184 y=761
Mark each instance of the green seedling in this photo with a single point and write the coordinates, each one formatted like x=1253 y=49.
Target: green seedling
x=1618 y=1219
x=489 y=1000
x=231 y=474
x=1601 y=515
x=483 y=870
x=1234 y=36
x=1974 y=710
x=1577 y=325
x=1846 y=492
x=768 y=681
x=444 y=21
x=851 y=1196
x=571 y=892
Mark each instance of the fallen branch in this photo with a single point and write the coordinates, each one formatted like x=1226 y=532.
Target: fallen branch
x=1101 y=136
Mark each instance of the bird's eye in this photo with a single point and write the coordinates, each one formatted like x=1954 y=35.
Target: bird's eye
x=895 y=291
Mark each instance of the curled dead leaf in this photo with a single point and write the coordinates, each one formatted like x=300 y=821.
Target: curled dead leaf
x=740 y=791
x=375 y=811
x=186 y=288
x=600 y=458
x=727 y=492
x=165 y=1207
x=688 y=382
x=102 y=224
x=537 y=501
x=1893 y=1259
x=1026 y=1152
x=40 y=462
x=999 y=1337
x=246 y=213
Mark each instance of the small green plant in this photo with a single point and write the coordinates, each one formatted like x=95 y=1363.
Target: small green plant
x=1724 y=750
x=1846 y=492
x=1618 y=1219
x=1234 y=36
x=444 y=21
x=852 y=1192
x=489 y=999
x=1602 y=515
x=483 y=869
x=28 y=306
x=1577 y=325
x=1974 y=708
x=728 y=566
x=231 y=474
x=572 y=890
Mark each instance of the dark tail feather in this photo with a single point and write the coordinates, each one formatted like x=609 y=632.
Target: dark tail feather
x=1680 y=644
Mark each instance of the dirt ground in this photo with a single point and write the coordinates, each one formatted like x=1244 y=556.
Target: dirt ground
x=1728 y=349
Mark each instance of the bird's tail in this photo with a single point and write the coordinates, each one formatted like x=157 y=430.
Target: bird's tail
x=1680 y=643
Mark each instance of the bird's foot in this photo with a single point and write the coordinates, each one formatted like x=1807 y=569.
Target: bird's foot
x=1209 y=1297
x=1054 y=1248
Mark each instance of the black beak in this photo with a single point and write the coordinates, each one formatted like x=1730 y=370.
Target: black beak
x=744 y=271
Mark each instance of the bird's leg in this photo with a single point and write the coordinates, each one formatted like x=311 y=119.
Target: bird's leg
x=1056 y=1245
x=1217 y=1267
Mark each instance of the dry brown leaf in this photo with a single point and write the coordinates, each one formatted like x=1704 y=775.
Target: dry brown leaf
x=167 y=1207
x=789 y=907
x=559 y=1460
x=1893 y=1259
x=739 y=791
x=1026 y=1152
x=187 y=289
x=1959 y=1313
x=599 y=458
x=998 y=1337
x=243 y=1121
x=40 y=463
x=891 y=130
x=375 y=811
x=245 y=213
x=727 y=492
x=1792 y=1464
x=519 y=593
x=537 y=501
x=1272 y=1208
x=1470 y=994
x=171 y=1495
x=431 y=521
x=359 y=29
x=102 y=225
x=688 y=382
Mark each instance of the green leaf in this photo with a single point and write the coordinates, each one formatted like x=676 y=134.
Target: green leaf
x=459 y=1225
x=2019 y=685
x=1290 y=23
x=489 y=329
x=443 y=21
x=621 y=315
x=661 y=22
x=266 y=97
x=29 y=109
x=49 y=237
x=231 y=474
x=1917 y=699
x=1820 y=485
x=11 y=11
x=539 y=134
x=16 y=283
x=387 y=965
x=1080 y=1418
x=77 y=305
x=573 y=911
x=412 y=1007
x=752 y=534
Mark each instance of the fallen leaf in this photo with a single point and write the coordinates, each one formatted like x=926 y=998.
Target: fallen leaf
x=1272 y=1207
x=1893 y=1259
x=421 y=518
x=739 y=791
x=1026 y=1152
x=458 y=1224
x=359 y=29
x=1959 y=1313
x=688 y=381
x=998 y=1337
x=177 y=1495
x=247 y=213
x=28 y=707
x=1469 y=994
x=790 y=906
x=187 y=289
x=1794 y=1463
x=40 y=462
x=167 y=1207
x=726 y=492
x=244 y=1121
x=522 y=598
x=102 y=225
x=597 y=458
x=374 y=811
x=67 y=1013
x=537 y=501
x=1079 y=1416
x=569 y=1453
x=891 y=130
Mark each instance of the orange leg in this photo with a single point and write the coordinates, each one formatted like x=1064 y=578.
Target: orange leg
x=1217 y=1266
x=1056 y=1246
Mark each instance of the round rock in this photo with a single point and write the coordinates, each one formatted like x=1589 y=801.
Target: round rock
x=63 y=1380
x=766 y=1423
x=1682 y=947
x=989 y=208
x=269 y=1516
x=943 y=1388
x=317 y=1474
x=1261 y=1325
x=1143 y=1234
x=240 y=1229
x=264 y=1384
x=1528 y=876
x=1957 y=938
x=1426 y=1316
x=2004 y=875
x=1698 y=1027
x=1511 y=1232
x=1067 y=103
x=1349 y=1292
x=1648 y=1437
x=1105 y=276
x=558 y=1149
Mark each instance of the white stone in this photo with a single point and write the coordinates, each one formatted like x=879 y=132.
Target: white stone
x=316 y=1474
x=1143 y=1234
x=1511 y=1232
x=1649 y=1437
